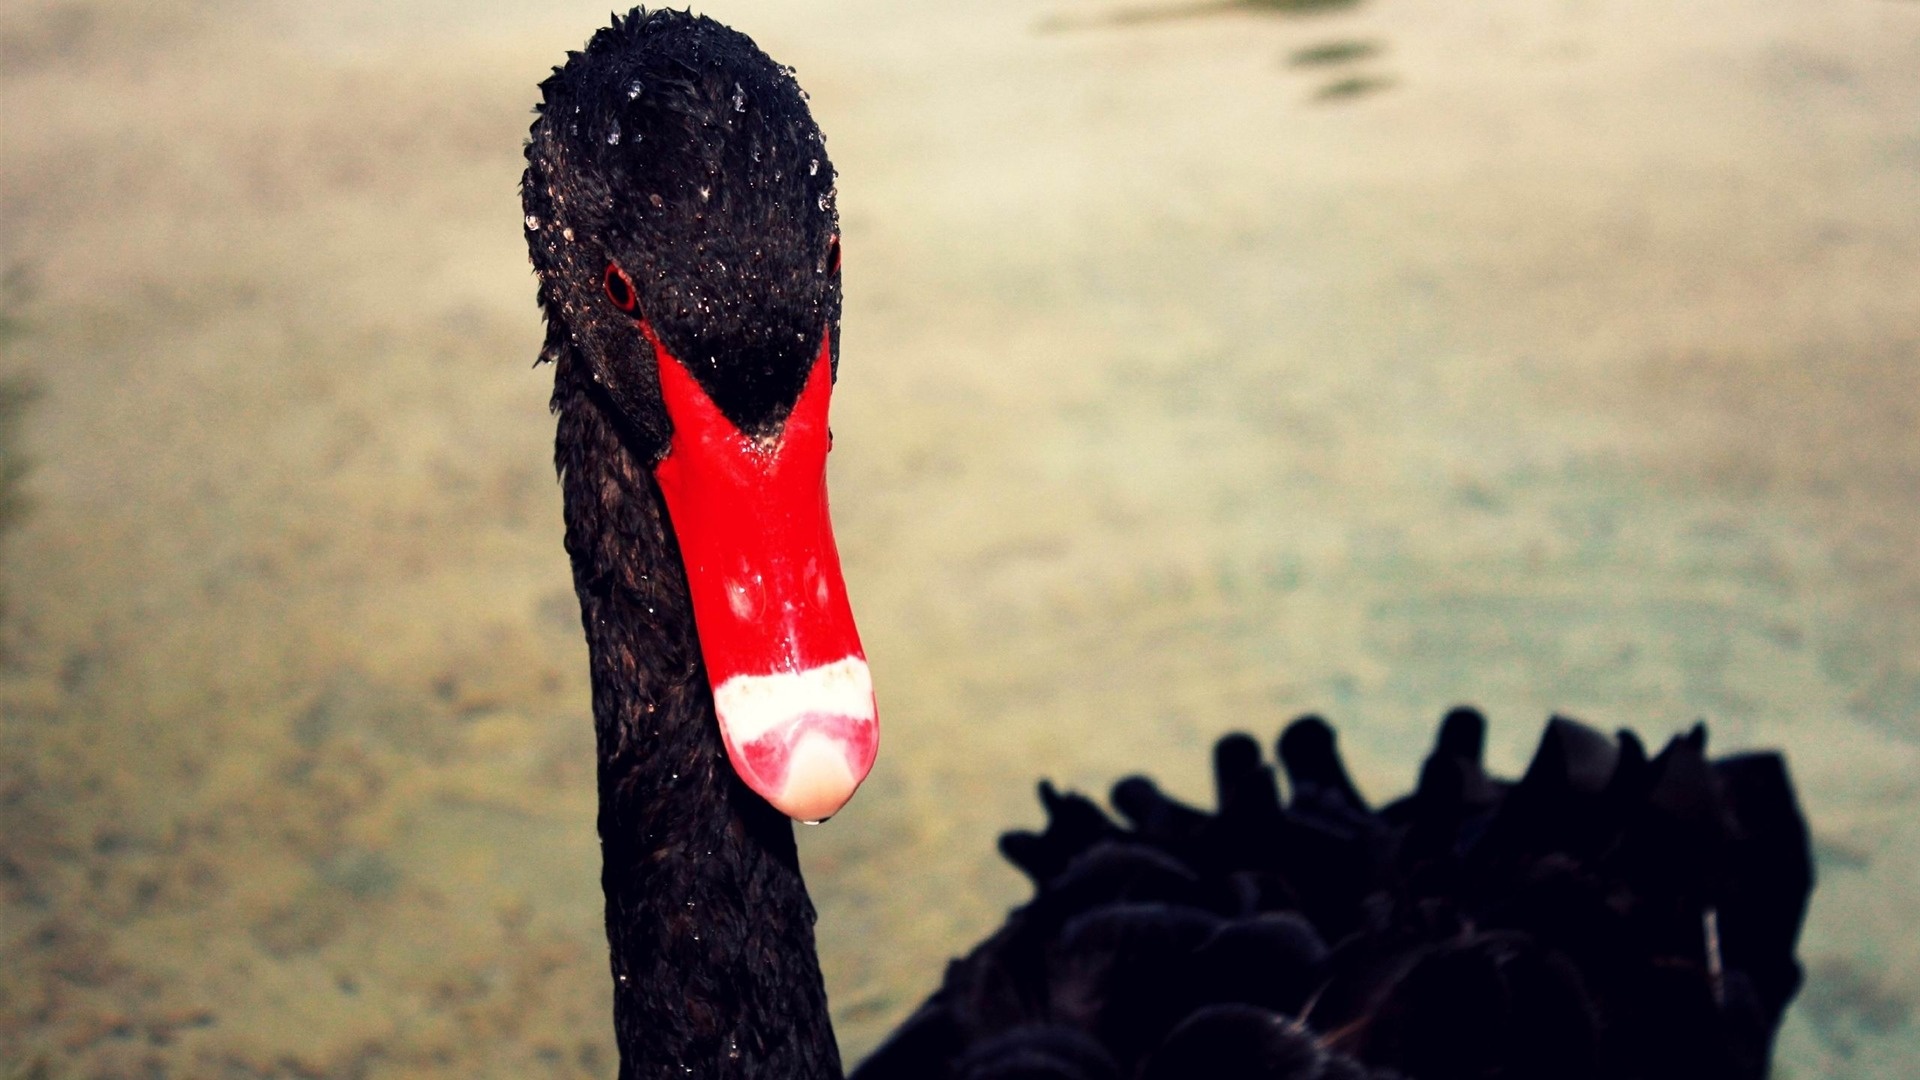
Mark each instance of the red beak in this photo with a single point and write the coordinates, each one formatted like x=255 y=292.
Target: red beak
x=790 y=682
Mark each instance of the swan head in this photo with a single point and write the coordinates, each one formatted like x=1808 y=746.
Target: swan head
x=680 y=215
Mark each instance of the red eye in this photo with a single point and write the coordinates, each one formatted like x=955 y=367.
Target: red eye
x=620 y=288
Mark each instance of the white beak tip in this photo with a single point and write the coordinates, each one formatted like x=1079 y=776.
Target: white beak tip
x=803 y=740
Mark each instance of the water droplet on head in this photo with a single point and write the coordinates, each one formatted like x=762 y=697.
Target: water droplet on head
x=705 y=192
x=635 y=89
x=533 y=223
x=739 y=99
x=613 y=133
x=568 y=232
x=656 y=200
x=813 y=166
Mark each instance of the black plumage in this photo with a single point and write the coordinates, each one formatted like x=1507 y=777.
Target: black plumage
x=1575 y=924
x=716 y=198
x=1607 y=915
x=677 y=149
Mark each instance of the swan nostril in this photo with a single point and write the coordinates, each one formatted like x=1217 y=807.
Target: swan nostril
x=747 y=594
x=820 y=594
x=744 y=596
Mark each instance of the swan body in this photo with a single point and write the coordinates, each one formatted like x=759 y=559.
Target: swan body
x=1608 y=915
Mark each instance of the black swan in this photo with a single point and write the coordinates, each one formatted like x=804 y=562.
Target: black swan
x=1610 y=914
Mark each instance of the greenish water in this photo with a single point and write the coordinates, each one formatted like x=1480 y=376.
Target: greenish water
x=1568 y=361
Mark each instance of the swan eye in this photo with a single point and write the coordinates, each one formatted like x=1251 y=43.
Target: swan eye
x=620 y=288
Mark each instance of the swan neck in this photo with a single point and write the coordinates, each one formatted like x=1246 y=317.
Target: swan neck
x=709 y=926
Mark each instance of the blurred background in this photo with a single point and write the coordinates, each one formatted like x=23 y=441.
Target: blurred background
x=1205 y=362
